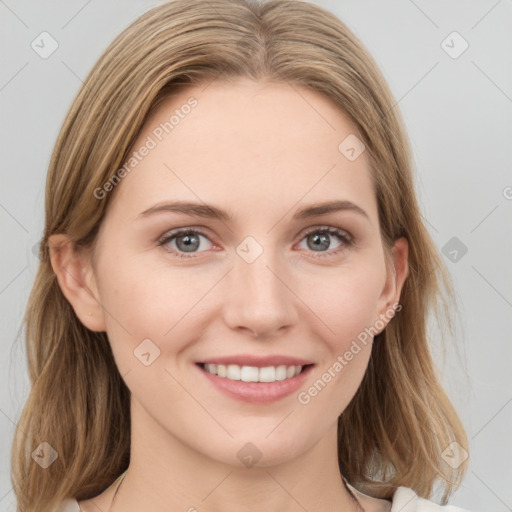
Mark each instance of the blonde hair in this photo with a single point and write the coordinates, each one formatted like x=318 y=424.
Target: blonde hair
x=400 y=420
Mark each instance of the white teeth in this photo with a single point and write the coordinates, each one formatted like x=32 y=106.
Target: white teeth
x=253 y=373
x=267 y=374
x=281 y=372
x=233 y=372
x=249 y=374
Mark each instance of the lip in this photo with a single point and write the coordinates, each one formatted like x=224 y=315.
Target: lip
x=258 y=361
x=256 y=392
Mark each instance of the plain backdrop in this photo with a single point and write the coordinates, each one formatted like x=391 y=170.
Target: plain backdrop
x=449 y=66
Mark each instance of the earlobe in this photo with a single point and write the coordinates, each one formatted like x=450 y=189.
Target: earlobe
x=76 y=281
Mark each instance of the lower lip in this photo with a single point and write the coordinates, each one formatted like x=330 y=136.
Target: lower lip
x=257 y=392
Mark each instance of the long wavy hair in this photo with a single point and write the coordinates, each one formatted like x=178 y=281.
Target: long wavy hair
x=396 y=427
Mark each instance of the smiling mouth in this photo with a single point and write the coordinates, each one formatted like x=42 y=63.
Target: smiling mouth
x=254 y=373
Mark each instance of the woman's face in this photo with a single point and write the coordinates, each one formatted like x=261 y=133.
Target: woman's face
x=258 y=279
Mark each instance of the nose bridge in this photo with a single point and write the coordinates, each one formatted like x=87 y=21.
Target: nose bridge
x=261 y=277
x=258 y=298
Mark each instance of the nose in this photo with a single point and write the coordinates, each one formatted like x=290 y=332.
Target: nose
x=259 y=297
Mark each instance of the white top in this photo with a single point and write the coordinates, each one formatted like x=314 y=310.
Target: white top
x=404 y=500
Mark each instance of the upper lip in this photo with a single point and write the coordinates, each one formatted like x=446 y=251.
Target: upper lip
x=258 y=361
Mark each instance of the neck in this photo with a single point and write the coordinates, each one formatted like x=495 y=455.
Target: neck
x=165 y=474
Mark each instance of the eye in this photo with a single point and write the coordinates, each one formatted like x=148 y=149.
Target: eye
x=319 y=239
x=183 y=241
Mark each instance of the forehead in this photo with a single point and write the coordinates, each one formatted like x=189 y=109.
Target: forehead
x=250 y=145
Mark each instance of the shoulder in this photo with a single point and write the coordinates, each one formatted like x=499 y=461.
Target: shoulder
x=406 y=500
x=69 y=505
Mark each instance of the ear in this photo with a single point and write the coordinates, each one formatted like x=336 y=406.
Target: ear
x=77 y=281
x=397 y=271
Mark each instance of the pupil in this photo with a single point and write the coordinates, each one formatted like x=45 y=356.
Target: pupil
x=321 y=241
x=191 y=242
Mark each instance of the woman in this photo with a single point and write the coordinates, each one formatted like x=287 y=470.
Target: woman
x=230 y=310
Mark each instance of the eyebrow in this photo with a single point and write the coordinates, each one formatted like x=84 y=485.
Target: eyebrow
x=210 y=211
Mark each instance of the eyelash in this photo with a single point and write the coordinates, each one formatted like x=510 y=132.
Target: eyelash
x=346 y=239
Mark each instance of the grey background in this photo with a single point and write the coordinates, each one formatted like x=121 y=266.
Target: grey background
x=457 y=111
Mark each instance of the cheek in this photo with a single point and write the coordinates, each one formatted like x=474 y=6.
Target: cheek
x=148 y=295
x=345 y=300
x=140 y=303
x=346 y=306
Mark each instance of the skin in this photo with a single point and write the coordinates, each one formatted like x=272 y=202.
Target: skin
x=260 y=151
